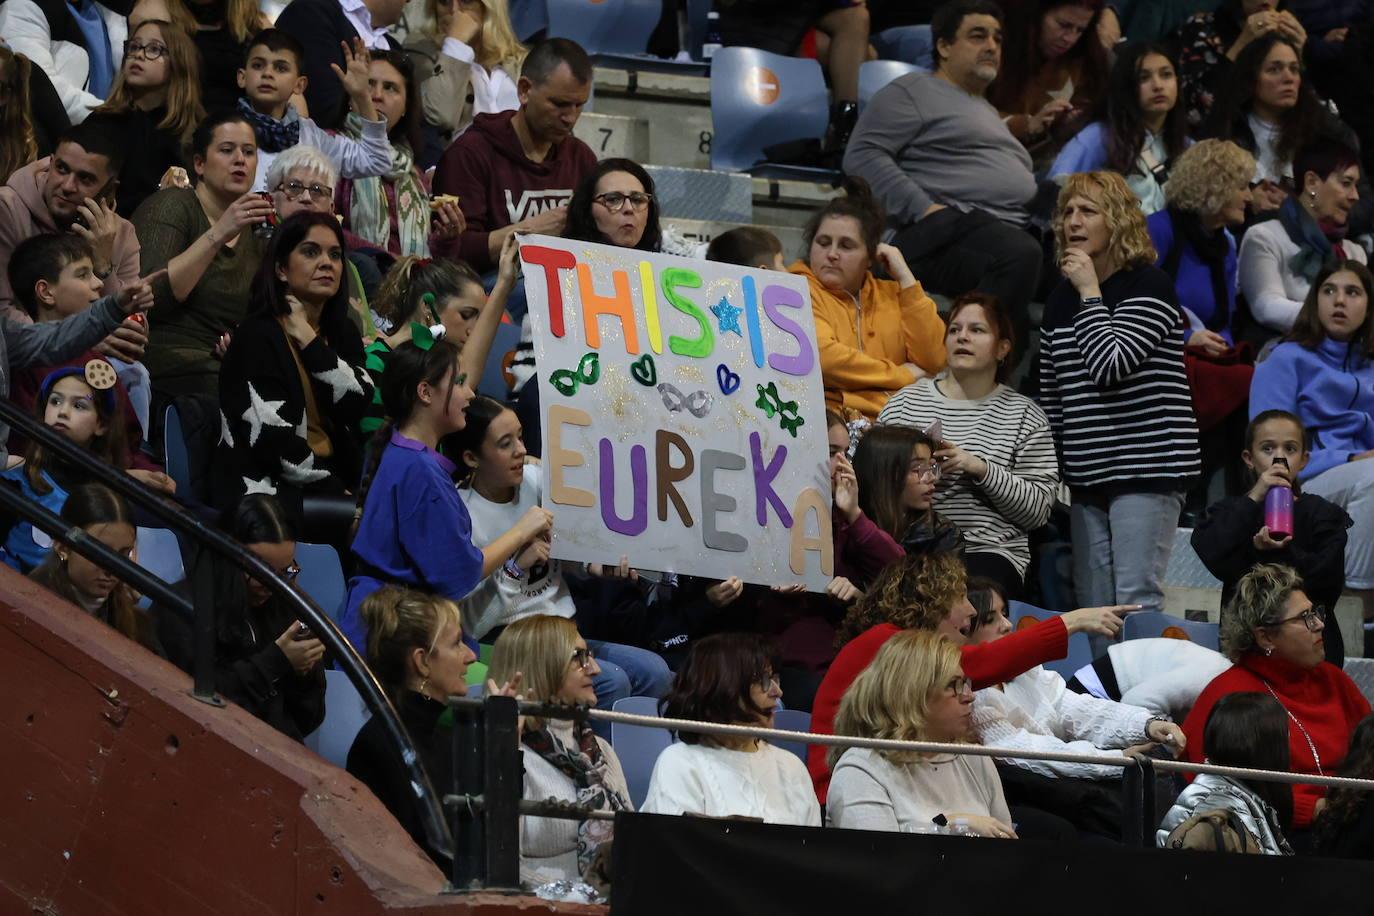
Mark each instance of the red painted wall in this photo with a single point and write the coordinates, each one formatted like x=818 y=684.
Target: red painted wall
x=120 y=794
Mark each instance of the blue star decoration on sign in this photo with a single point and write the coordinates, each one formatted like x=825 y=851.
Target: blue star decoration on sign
x=727 y=316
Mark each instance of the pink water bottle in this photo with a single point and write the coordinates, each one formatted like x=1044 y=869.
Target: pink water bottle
x=1278 y=508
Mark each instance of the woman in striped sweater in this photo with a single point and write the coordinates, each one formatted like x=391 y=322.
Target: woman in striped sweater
x=998 y=471
x=1113 y=385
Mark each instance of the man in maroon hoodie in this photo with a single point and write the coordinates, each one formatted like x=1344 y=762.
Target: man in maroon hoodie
x=515 y=171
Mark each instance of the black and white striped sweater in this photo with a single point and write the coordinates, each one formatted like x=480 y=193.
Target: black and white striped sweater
x=1113 y=385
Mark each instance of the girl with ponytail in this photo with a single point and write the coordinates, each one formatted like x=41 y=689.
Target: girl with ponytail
x=415 y=647
x=436 y=293
x=412 y=528
x=874 y=336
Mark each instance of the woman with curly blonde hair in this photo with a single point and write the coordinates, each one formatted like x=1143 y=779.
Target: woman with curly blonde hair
x=928 y=592
x=1113 y=385
x=914 y=690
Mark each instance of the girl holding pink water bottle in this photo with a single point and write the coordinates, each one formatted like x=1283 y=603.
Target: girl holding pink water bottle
x=1275 y=522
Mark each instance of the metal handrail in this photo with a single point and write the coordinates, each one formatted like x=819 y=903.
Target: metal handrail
x=431 y=811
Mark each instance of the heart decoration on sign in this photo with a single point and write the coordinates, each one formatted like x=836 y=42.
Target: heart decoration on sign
x=644 y=371
x=727 y=380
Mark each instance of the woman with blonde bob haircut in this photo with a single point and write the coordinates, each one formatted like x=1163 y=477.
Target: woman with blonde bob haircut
x=915 y=690
x=564 y=759
x=1113 y=385
x=469 y=61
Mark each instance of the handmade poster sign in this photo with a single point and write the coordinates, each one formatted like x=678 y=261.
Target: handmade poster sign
x=683 y=417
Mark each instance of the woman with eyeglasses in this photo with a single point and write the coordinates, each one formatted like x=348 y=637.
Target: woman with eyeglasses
x=393 y=213
x=564 y=760
x=415 y=647
x=896 y=471
x=999 y=475
x=914 y=690
x=729 y=679
x=1113 y=385
x=266 y=660
x=1272 y=633
x=874 y=336
x=928 y=591
x=152 y=109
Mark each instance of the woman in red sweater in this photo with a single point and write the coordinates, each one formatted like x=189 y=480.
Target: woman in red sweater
x=1273 y=634
x=928 y=592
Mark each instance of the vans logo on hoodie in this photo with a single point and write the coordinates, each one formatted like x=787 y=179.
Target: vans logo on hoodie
x=533 y=203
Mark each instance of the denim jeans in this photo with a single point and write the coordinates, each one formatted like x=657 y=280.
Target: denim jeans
x=1351 y=486
x=912 y=44
x=1120 y=553
x=626 y=671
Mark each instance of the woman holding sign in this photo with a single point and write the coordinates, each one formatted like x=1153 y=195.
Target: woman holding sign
x=874 y=336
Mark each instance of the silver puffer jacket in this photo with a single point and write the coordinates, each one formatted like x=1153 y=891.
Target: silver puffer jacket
x=1212 y=793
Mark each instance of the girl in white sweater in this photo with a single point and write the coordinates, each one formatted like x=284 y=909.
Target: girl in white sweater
x=729 y=679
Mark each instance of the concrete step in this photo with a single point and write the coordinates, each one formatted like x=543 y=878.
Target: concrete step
x=701 y=194
x=614 y=136
x=784 y=202
x=677 y=108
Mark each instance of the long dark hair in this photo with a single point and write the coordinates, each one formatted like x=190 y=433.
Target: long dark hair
x=1307 y=327
x=481 y=412
x=713 y=685
x=1299 y=124
x=406 y=367
x=1021 y=57
x=258 y=518
x=269 y=290
x=95 y=504
x=1345 y=805
x=1125 y=119
x=1251 y=730
x=410 y=130
x=582 y=224
x=110 y=446
x=858 y=203
x=881 y=462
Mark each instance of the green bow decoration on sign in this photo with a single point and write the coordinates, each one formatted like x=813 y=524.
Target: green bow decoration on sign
x=567 y=381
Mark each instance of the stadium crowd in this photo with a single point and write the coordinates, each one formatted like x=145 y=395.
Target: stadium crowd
x=303 y=235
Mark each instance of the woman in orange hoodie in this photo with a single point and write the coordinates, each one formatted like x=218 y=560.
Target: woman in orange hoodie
x=874 y=336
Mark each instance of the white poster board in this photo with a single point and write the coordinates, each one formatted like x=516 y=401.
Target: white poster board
x=683 y=415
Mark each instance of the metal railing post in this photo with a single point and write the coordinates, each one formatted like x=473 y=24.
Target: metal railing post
x=502 y=786
x=469 y=865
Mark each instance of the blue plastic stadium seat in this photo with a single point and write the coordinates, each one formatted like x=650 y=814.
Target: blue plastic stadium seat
x=1080 y=651
x=793 y=720
x=638 y=747
x=1144 y=624
x=760 y=99
x=321 y=576
x=493 y=381
x=344 y=715
x=176 y=458
x=160 y=554
x=875 y=74
x=619 y=27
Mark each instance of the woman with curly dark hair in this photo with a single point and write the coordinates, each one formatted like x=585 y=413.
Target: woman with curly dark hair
x=928 y=591
x=729 y=679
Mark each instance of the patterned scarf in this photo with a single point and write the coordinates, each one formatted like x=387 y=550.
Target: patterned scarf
x=586 y=766
x=273 y=135
x=369 y=210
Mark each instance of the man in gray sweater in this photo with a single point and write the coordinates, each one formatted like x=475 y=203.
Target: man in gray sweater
x=954 y=181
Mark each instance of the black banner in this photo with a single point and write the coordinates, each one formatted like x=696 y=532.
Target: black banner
x=702 y=867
